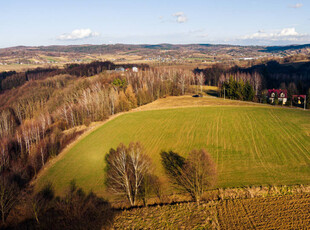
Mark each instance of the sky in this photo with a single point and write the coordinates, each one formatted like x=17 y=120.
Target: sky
x=241 y=22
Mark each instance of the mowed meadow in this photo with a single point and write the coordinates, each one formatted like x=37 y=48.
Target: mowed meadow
x=251 y=145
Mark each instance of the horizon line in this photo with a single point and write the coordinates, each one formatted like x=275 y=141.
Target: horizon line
x=152 y=44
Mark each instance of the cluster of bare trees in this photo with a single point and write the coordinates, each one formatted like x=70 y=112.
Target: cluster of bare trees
x=4 y=156
x=32 y=132
x=128 y=172
x=89 y=104
x=99 y=100
x=6 y=123
x=8 y=198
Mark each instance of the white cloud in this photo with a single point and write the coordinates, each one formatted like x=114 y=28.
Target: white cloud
x=296 y=6
x=286 y=34
x=180 y=17
x=78 y=34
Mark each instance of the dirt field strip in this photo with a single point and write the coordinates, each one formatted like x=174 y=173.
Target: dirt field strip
x=279 y=212
x=271 y=212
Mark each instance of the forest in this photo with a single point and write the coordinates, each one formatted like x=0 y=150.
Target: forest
x=11 y=79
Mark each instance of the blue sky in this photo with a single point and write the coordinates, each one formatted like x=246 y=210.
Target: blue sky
x=64 y=22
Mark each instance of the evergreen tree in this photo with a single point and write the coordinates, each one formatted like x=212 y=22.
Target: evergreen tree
x=248 y=92
x=276 y=99
x=308 y=99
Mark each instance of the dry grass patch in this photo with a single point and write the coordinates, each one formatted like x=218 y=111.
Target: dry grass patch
x=189 y=101
x=177 y=216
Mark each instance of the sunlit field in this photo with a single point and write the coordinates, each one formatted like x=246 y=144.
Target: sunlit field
x=251 y=145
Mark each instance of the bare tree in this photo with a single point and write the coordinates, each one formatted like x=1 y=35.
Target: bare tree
x=18 y=111
x=64 y=113
x=182 y=81
x=41 y=201
x=26 y=137
x=4 y=156
x=257 y=82
x=200 y=171
x=193 y=175
x=20 y=141
x=113 y=96
x=8 y=198
x=131 y=97
x=126 y=169
x=6 y=123
x=200 y=80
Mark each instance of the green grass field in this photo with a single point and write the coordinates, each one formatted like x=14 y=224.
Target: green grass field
x=250 y=145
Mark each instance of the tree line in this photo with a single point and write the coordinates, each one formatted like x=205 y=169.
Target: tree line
x=293 y=77
x=9 y=80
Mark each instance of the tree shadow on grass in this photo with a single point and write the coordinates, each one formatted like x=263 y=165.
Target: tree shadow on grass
x=211 y=92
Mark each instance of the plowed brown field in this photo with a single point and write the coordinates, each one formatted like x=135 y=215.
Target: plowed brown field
x=283 y=212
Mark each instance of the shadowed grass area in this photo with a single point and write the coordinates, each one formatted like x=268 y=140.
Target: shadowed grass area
x=250 y=145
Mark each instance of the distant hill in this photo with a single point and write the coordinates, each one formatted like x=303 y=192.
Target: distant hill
x=127 y=47
x=163 y=53
x=285 y=48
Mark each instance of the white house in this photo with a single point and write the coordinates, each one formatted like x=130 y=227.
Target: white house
x=135 y=69
x=120 y=69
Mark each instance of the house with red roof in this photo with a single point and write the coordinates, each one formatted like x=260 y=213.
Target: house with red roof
x=281 y=94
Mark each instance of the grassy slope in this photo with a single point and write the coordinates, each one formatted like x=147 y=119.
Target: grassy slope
x=250 y=144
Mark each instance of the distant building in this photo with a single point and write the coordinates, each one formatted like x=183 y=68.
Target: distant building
x=247 y=58
x=120 y=69
x=299 y=99
x=280 y=93
x=135 y=69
